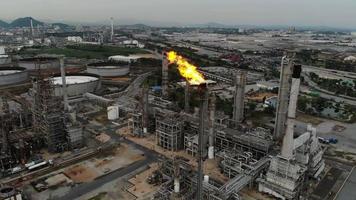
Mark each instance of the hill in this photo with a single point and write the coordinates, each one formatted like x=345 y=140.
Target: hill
x=62 y=26
x=25 y=22
x=3 y=24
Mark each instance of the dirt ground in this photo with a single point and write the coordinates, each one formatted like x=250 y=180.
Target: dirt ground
x=309 y=119
x=258 y=97
x=102 y=137
x=141 y=189
x=95 y=167
x=88 y=170
x=80 y=174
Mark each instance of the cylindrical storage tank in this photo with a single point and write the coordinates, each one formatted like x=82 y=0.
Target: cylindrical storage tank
x=12 y=75
x=43 y=63
x=211 y=152
x=206 y=179
x=7 y=192
x=109 y=69
x=77 y=84
x=176 y=185
x=5 y=59
x=113 y=112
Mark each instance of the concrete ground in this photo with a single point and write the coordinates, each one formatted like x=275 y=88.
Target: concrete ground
x=332 y=180
x=90 y=170
x=326 y=128
x=348 y=190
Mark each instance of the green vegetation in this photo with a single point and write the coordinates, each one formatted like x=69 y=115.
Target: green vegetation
x=83 y=51
x=320 y=59
x=338 y=86
x=316 y=106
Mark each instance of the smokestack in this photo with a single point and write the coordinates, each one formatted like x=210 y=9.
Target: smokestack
x=203 y=108
x=288 y=140
x=164 y=75
x=112 y=29
x=211 y=125
x=64 y=83
x=186 y=97
x=239 y=96
x=283 y=97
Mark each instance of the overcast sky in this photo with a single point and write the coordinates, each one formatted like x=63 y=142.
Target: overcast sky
x=337 y=13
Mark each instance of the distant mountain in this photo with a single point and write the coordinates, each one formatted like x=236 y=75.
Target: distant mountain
x=3 y=24
x=212 y=25
x=25 y=22
x=61 y=25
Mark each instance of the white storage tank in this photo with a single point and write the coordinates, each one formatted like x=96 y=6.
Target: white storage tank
x=12 y=75
x=113 y=112
x=43 y=63
x=109 y=69
x=4 y=59
x=77 y=84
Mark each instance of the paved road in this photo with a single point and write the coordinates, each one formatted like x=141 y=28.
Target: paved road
x=326 y=94
x=85 y=188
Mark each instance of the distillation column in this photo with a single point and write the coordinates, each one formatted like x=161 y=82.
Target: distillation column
x=164 y=75
x=145 y=110
x=211 y=125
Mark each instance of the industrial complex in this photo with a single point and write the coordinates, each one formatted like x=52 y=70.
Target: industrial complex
x=131 y=112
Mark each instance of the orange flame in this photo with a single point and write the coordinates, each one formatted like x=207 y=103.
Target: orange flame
x=187 y=70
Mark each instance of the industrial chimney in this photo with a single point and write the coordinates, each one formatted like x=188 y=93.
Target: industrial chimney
x=283 y=97
x=239 y=96
x=288 y=145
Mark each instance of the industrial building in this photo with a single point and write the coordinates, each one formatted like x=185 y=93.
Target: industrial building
x=204 y=152
x=246 y=155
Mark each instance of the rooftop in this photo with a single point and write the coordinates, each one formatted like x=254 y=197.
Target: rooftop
x=73 y=80
x=7 y=72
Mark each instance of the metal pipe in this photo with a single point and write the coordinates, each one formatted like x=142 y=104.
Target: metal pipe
x=186 y=97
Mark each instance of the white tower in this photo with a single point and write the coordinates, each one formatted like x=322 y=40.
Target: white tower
x=112 y=29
